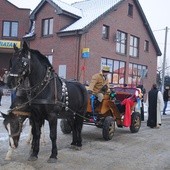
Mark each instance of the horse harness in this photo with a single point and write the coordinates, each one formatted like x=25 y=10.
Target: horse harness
x=38 y=88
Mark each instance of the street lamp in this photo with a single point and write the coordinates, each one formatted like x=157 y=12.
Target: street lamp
x=164 y=59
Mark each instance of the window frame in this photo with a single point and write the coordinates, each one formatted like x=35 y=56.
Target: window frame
x=47 y=27
x=146 y=46
x=116 y=74
x=134 y=46
x=121 y=42
x=11 y=30
x=105 y=32
x=130 y=10
x=135 y=74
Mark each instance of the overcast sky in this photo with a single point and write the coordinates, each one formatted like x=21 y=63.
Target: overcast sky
x=156 y=11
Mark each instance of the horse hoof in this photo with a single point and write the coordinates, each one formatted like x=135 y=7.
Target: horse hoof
x=52 y=160
x=72 y=146
x=8 y=158
x=78 y=148
x=32 y=158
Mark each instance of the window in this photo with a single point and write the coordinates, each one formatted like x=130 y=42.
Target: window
x=10 y=29
x=146 y=46
x=134 y=46
x=105 y=32
x=50 y=58
x=117 y=71
x=121 y=42
x=47 y=27
x=130 y=10
x=136 y=74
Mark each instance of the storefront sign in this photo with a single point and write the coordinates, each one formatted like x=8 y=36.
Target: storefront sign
x=9 y=44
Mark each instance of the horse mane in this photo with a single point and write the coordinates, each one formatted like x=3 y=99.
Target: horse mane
x=42 y=58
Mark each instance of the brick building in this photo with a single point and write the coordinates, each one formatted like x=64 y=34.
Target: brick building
x=79 y=38
x=14 y=24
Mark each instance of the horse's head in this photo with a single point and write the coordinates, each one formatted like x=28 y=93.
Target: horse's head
x=19 y=65
x=13 y=124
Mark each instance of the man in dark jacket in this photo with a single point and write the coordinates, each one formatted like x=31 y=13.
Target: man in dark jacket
x=166 y=98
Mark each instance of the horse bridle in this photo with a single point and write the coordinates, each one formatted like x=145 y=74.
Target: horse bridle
x=42 y=85
x=39 y=87
x=20 y=128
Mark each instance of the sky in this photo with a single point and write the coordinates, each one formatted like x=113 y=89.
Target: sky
x=156 y=12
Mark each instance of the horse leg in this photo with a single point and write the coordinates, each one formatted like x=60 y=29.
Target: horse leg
x=9 y=154
x=36 y=132
x=30 y=136
x=43 y=142
x=79 y=125
x=53 y=136
x=77 y=129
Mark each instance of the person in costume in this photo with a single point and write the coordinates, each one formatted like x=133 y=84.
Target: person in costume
x=155 y=106
x=99 y=84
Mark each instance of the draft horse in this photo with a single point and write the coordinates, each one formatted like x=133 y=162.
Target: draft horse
x=14 y=120
x=49 y=96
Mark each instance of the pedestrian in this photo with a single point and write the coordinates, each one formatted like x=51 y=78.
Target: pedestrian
x=166 y=98
x=99 y=84
x=155 y=105
x=13 y=94
x=1 y=89
x=142 y=100
x=5 y=77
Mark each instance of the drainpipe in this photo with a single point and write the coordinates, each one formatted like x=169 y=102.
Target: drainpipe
x=78 y=56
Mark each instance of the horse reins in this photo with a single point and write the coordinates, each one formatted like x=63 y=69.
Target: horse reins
x=44 y=84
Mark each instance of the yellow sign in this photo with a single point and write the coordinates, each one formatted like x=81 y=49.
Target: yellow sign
x=9 y=44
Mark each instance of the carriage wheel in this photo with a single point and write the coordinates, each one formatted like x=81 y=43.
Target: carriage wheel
x=65 y=126
x=108 y=128
x=135 y=122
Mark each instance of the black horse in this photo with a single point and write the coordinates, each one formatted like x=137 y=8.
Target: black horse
x=50 y=97
x=19 y=111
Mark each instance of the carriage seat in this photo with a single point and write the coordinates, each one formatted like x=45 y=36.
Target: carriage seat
x=120 y=96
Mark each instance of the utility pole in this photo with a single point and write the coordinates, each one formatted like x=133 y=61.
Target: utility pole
x=164 y=59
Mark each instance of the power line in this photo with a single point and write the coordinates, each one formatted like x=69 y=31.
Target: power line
x=158 y=30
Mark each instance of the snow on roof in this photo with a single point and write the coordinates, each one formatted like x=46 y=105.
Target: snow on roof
x=67 y=7
x=91 y=10
x=87 y=10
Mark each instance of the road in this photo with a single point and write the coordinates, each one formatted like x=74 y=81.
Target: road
x=149 y=149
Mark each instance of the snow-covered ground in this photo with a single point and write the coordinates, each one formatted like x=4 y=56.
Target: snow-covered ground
x=147 y=149
x=6 y=102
